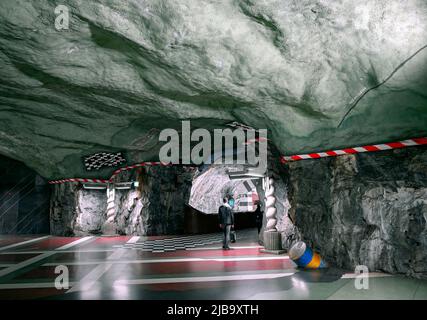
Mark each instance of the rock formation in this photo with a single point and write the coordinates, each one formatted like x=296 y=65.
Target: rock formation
x=155 y=207
x=318 y=74
x=365 y=209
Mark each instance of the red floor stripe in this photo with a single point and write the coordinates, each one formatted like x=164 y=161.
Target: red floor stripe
x=80 y=256
x=132 y=254
x=49 y=244
x=196 y=253
x=106 y=242
x=137 y=271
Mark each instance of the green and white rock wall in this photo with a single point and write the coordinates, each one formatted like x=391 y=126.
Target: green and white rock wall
x=318 y=74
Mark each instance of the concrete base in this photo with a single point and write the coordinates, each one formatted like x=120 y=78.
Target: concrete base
x=272 y=241
x=109 y=229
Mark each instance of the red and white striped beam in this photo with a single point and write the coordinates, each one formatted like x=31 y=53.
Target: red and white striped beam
x=138 y=165
x=142 y=164
x=369 y=148
x=78 y=180
x=115 y=173
x=283 y=159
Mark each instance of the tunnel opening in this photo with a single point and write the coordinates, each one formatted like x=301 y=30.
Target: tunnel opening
x=153 y=201
x=170 y=199
x=208 y=189
x=24 y=199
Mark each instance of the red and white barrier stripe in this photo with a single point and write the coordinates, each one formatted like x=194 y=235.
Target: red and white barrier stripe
x=78 y=180
x=369 y=148
x=142 y=164
x=115 y=173
x=138 y=165
x=283 y=159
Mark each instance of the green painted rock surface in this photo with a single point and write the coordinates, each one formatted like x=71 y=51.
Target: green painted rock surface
x=317 y=74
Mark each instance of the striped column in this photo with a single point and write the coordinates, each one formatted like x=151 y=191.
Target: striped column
x=270 y=208
x=111 y=195
x=109 y=225
x=272 y=238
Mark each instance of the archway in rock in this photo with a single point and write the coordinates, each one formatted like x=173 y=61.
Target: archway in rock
x=209 y=188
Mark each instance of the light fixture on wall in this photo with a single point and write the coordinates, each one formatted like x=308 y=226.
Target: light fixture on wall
x=95 y=186
x=117 y=186
x=246 y=174
x=123 y=185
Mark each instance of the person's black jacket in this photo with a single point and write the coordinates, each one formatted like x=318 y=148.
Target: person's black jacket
x=225 y=215
x=258 y=215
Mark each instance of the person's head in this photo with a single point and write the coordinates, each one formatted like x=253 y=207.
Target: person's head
x=225 y=200
x=231 y=202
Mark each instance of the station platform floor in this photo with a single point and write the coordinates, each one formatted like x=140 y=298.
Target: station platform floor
x=175 y=267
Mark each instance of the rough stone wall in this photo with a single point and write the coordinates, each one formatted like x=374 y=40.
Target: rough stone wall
x=293 y=66
x=156 y=207
x=366 y=209
x=76 y=211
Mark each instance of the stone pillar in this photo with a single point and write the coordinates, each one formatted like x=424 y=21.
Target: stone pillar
x=109 y=227
x=270 y=201
x=272 y=238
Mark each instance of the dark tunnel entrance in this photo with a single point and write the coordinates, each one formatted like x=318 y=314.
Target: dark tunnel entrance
x=24 y=199
x=208 y=189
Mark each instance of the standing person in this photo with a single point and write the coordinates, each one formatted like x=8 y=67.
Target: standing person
x=232 y=232
x=258 y=216
x=226 y=222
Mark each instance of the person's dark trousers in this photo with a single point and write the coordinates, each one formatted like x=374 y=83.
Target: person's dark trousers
x=226 y=236
x=259 y=228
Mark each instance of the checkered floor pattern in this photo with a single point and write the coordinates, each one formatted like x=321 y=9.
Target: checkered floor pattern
x=186 y=242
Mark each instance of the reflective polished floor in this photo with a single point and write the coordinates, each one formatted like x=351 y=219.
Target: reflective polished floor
x=180 y=267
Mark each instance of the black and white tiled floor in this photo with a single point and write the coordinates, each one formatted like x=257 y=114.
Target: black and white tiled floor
x=186 y=242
